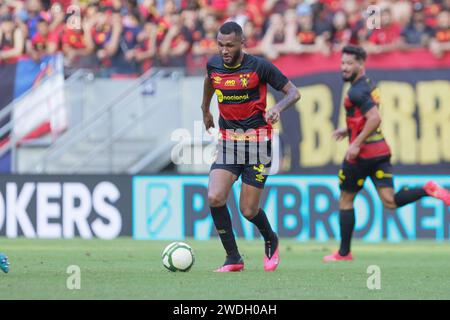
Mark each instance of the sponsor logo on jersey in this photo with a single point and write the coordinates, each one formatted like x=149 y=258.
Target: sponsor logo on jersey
x=217 y=79
x=221 y=97
x=230 y=83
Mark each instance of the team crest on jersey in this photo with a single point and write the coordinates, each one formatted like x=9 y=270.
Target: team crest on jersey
x=244 y=78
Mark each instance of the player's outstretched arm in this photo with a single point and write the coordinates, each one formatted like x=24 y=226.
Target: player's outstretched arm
x=291 y=96
x=208 y=92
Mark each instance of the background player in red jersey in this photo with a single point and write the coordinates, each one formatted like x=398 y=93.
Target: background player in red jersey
x=368 y=153
x=240 y=83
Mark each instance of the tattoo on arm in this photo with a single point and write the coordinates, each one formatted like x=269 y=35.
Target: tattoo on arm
x=292 y=95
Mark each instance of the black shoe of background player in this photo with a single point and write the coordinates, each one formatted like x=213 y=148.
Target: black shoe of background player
x=232 y=264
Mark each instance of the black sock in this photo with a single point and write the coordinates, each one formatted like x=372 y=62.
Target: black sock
x=222 y=221
x=261 y=221
x=406 y=195
x=346 y=223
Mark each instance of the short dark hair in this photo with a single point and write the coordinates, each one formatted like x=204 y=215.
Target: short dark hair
x=357 y=51
x=230 y=27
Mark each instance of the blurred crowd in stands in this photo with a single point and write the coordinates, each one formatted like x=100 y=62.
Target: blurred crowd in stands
x=130 y=36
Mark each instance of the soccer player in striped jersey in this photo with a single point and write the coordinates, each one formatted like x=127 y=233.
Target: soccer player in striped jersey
x=368 y=154
x=239 y=81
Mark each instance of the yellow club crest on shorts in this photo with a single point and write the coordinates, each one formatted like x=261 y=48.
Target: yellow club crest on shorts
x=341 y=176
x=380 y=174
x=259 y=177
x=259 y=168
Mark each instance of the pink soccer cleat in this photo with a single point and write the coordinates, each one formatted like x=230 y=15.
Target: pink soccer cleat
x=272 y=263
x=271 y=258
x=337 y=257
x=436 y=191
x=230 y=268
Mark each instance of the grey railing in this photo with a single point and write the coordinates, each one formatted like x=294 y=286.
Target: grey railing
x=8 y=128
x=119 y=136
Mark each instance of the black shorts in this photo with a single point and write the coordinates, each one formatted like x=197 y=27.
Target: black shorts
x=353 y=175
x=250 y=160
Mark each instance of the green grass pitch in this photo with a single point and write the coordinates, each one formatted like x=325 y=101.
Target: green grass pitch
x=129 y=269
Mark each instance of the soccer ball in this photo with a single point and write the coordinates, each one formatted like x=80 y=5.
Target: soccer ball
x=178 y=256
x=4 y=263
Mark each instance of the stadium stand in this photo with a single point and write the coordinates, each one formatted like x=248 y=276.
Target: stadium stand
x=115 y=37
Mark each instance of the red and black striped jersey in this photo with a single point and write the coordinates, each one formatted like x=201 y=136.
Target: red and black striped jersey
x=241 y=93
x=361 y=97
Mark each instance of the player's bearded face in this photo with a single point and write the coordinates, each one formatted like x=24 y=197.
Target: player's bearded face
x=350 y=67
x=230 y=48
x=349 y=77
x=234 y=58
